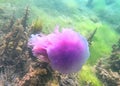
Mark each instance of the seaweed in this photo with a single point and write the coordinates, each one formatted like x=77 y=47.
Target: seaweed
x=14 y=53
x=25 y=18
x=90 y=38
x=107 y=69
x=68 y=80
x=37 y=26
x=36 y=75
x=18 y=67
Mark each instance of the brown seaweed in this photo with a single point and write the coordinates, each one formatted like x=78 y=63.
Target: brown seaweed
x=13 y=49
x=25 y=69
x=108 y=69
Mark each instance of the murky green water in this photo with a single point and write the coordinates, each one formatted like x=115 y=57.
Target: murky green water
x=83 y=15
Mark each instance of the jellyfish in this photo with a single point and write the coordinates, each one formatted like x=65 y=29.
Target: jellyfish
x=66 y=51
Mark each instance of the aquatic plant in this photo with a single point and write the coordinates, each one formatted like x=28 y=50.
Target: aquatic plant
x=108 y=69
x=91 y=36
x=15 y=39
x=104 y=45
x=64 y=54
x=36 y=75
x=68 y=80
x=15 y=55
x=8 y=77
x=90 y=79
x=13 y=51
x=37 y=26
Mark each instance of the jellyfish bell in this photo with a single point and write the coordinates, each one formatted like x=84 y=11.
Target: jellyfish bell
x=67 y=50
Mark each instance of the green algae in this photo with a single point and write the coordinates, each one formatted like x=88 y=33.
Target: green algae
x=102 y=42
x=84 y=22
x=87 y=77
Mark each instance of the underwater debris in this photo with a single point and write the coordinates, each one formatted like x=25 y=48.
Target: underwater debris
x=108 y=69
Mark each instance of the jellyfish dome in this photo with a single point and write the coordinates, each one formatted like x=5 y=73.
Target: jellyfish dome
x=66 y=50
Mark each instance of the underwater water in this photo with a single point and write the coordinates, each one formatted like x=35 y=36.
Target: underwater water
x=92 y=60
